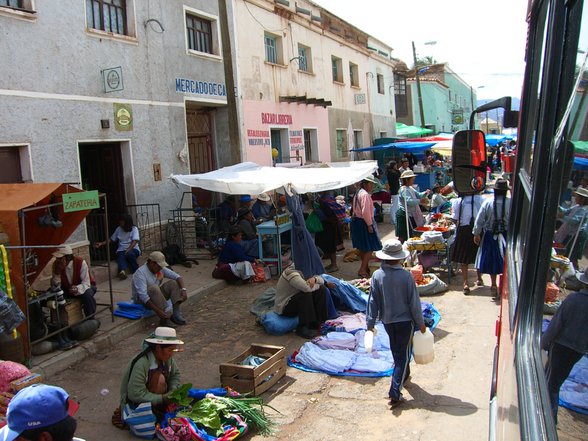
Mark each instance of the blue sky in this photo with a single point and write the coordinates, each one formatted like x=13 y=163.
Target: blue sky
x=483 y=42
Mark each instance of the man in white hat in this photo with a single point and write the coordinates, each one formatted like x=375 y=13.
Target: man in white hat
x=263 y=209
x=72 y=274
x=149 y=289
x=566 y=340
x=394 y=300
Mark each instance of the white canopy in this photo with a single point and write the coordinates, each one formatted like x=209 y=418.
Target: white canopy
x=251 y=178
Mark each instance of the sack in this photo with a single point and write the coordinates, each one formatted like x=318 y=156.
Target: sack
x=259 y=273
x=141 y=420
x=10 y=314
x=276 y=324
x=313 y=223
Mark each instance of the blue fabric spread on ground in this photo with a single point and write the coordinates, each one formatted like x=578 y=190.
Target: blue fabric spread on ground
x=574 y=392
x=133 y=311
x=347 y=296
x=319 y=357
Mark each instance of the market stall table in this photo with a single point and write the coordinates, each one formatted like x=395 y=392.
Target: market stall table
x=270 y=228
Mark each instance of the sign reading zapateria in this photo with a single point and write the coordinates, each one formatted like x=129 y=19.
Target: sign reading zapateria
x=84 y=200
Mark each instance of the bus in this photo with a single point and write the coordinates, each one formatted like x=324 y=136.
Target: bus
x=551 y=124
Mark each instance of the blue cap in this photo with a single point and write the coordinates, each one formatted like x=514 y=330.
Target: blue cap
x=34 y=407
x=245 y=198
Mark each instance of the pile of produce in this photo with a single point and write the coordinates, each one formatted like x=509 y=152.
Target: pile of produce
x=362 y=284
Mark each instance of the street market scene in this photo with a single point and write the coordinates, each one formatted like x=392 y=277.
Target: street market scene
x=261 y=219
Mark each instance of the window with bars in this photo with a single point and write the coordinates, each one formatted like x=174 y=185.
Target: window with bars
x=304 y=58
x=107 y=15
x=400 y=99
x=380 y=78
x=342 y=144
x=16 y=4
x=199 y=34
x=337 y=69
x=354 y=74
x=271 y=48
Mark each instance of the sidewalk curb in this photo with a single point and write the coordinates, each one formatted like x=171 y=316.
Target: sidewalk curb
x=110 y=338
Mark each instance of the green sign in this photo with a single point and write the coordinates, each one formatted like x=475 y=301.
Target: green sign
x=123 y=117
x=84 y=200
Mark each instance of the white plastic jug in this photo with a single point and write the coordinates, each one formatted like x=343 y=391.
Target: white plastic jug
x=368 y=341
x=422 y=348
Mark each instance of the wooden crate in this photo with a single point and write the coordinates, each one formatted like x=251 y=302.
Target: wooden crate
x=255 y=379
x=69 y=314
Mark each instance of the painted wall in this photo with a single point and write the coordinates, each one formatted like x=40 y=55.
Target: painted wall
x=266 y=82
x=52 y=94
x=260 y=117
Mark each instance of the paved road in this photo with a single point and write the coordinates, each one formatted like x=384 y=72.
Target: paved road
x=447 y=399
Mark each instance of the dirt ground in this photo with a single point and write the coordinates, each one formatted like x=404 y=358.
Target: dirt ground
x=447 y=400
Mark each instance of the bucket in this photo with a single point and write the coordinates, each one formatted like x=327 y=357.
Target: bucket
x=12 y=348
x=422 y=349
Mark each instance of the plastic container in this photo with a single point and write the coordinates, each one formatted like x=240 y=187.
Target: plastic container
x=368 y=341
x=423 y=350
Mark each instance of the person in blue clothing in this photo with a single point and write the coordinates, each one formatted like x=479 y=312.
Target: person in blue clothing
x=127 y=237
x=263 y=209
x=394 y=300
x=234 y=265
x=566 y=340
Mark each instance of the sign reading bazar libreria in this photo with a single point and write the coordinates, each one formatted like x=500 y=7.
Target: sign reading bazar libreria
x=84 y=200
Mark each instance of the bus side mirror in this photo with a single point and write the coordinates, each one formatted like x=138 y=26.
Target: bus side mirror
x=511 y=119
x=469 y=162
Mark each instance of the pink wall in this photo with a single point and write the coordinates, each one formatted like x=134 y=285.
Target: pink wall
x=261 y=116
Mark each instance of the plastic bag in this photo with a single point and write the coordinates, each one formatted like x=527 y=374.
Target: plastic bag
x=313 y=223
x=10 y=314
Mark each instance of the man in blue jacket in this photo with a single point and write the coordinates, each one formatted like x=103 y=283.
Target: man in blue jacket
x=566 y=340
x=394 y=299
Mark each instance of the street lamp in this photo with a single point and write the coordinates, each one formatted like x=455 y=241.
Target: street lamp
x=418 y=81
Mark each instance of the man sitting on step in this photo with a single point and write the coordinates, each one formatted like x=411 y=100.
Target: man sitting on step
x=149 y=289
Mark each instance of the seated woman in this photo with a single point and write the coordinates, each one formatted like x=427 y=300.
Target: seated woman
x=439 y=204
x=234 y=265
x=296 y=296
x=127 y=251
x=152 y=374
x=572 y=232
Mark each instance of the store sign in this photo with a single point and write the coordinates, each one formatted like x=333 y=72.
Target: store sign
x=123 y=117
x=84 y=200
x=186 y=85
x=112 y=79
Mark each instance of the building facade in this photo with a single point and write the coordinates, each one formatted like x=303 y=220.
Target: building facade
x=113 y=95
x=310 y=86
x=446 y=98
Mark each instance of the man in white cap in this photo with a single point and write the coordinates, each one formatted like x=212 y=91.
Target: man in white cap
x=566 y=340
x=40 y=412
x=263 y=209
x=149 y=289
x=394 y=299
x=72 y=274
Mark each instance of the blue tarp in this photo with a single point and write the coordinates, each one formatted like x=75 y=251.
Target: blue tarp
x=493 y=140
x=580 y=163
x=413 y=147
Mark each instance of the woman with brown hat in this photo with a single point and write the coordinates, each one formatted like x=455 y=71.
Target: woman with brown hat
x=492 y=223
x=364 y=231
x=409 y=214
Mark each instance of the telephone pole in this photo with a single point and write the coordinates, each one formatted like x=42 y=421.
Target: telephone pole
x=418 y=83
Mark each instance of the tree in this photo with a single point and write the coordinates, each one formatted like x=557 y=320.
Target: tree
x=425 y=61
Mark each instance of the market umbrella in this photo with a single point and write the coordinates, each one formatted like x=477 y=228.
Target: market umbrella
x=411 y=131
x=304 y=253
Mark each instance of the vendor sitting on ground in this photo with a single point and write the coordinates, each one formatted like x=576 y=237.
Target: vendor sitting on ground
x=234 y=264
x=306 y=299
x=148 y=289
x=246 y=223
x=263 y=209
x=153 y=373
x=72 y=275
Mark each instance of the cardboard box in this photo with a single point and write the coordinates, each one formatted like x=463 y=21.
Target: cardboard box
x=255 y=379
x=69 y=314
x=23 y=382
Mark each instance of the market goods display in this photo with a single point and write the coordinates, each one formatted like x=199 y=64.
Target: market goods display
x=362 y=284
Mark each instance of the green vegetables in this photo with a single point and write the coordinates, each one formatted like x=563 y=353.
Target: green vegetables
x=211 y=411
